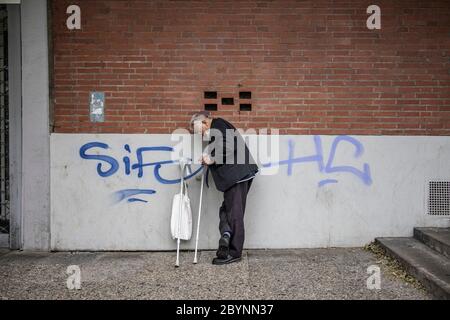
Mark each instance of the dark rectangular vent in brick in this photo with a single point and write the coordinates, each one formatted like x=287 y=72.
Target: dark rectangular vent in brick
x=227 y=101
x=245 y=95
x=210 y=95
x=245 y=107
x=211 y=106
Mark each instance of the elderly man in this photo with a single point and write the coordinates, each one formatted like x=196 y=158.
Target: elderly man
x=233 y=170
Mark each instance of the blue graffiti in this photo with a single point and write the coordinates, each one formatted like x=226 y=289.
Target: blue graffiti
x=326 y=181
x=318 y=157
x=120 y=195
x=137 y=200
x=104 y=160
x=174 y=181
x=114 y=165
x=139 y=166
x=108 y=166
x=364 y=175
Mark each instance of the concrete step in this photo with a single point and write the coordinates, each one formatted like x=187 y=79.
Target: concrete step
x=428 y=266
x=436 y=238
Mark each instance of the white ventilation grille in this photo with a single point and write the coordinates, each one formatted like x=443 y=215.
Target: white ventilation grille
x=438 y=195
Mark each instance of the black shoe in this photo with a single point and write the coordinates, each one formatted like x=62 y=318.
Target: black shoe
x=227 y=260
x=224 y=247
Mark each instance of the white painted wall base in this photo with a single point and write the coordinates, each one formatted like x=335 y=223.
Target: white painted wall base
x=348 y=202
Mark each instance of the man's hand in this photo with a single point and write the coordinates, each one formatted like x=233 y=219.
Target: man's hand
x=205 y=159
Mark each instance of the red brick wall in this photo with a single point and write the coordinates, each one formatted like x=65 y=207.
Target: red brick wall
x=313 y=66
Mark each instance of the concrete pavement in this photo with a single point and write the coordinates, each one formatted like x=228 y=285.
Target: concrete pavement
x=337 y=273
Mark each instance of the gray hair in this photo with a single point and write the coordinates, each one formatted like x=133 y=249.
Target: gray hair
x=199 y=116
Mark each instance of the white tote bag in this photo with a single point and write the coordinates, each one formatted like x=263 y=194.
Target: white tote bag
x=181 y=224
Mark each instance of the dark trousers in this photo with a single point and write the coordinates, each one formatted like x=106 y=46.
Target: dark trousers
x=231 y=215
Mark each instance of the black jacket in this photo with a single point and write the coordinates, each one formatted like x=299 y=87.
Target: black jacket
x=225 y=175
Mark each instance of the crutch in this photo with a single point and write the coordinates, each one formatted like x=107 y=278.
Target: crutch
x=199 y=213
